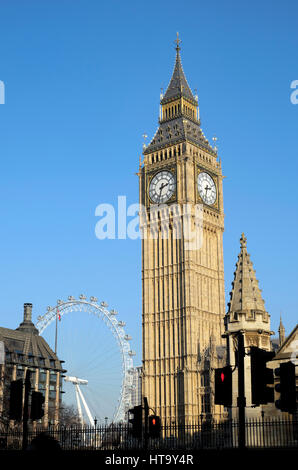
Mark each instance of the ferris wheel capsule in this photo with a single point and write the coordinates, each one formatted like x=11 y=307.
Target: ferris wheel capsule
x=104 y=304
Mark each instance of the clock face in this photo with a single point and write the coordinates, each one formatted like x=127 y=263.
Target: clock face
x=206 y=188
x=162 y=187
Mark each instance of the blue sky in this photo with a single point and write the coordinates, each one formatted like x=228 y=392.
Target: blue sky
x=82 y=83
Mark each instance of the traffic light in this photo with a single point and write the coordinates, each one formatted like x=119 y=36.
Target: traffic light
x=16 y=400
x=136 y=421
x=261 y=376
x=223 y=386
x=154 y=426
x=37 y=400
x=286 y=387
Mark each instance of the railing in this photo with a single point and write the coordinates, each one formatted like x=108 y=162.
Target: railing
x=260 y=433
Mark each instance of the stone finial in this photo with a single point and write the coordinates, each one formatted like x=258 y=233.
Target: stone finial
x=243 y=240
x=178 y=42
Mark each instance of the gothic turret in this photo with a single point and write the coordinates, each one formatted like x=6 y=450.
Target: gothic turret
x=246 y=307
x=246 y=313
x=245 y=295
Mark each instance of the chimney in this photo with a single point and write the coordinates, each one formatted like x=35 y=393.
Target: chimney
x=27 y=326
x=28 y=313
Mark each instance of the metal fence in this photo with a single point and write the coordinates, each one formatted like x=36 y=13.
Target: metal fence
x=260 y=433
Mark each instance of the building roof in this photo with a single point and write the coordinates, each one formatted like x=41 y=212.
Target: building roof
x=245 y=294
x=178 y=130
x=24 y=345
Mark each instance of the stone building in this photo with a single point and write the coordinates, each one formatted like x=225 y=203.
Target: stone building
x=183 y=297
x=25 y=350
x=246 y=313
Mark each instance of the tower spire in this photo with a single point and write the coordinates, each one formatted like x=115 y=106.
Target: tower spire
x=179 y=117
x=246 y=294
x=178 y=86
x=281 y=332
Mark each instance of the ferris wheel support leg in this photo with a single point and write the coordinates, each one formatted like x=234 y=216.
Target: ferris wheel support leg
x=86 y=407
x=79 y=405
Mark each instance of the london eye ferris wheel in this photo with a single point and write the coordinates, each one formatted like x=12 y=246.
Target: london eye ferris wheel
x=93 y=344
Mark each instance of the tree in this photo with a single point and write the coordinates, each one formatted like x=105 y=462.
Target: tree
x=68 y=416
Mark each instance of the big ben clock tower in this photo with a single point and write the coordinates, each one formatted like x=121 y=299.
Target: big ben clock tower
x=183 y=299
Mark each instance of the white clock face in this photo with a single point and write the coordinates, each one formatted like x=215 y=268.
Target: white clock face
x=162 y=187
x=206 y=188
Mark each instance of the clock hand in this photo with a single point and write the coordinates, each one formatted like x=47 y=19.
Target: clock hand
x=160 y=190
x=206 y=189
x=163 y=185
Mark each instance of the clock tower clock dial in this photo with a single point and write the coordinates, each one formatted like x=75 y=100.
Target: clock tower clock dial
x=206 y=188
x=162 y=187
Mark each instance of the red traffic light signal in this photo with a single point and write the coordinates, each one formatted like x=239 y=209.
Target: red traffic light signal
x=37 y=400
x=154 y=426
x=136 y=421
x=16 y=400
x=223 y=386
